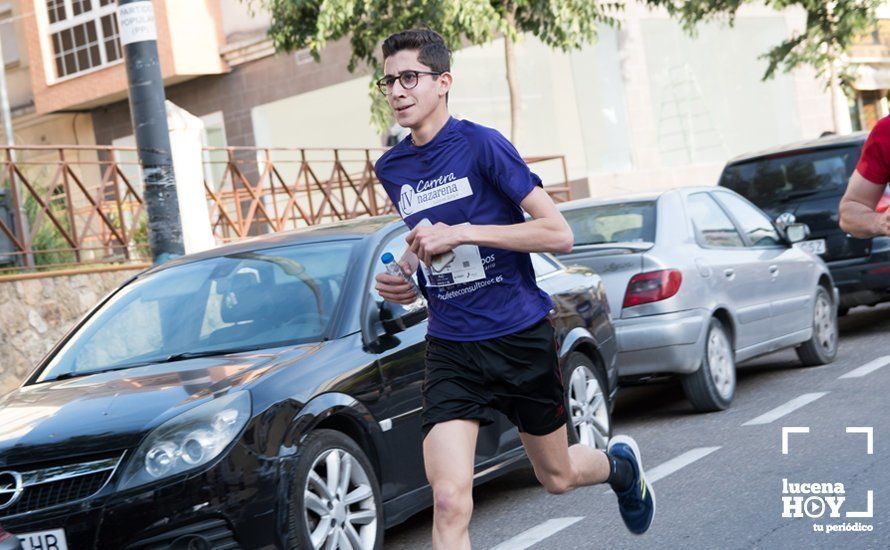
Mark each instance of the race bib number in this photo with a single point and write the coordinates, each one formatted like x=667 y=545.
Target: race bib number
x=465 y=267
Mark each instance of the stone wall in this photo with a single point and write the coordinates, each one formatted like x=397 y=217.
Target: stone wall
x=35 y=313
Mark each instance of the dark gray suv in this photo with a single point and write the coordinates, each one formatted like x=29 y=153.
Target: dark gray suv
x=803 y=182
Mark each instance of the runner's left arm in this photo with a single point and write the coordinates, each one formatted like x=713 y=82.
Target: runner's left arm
x=547 y=231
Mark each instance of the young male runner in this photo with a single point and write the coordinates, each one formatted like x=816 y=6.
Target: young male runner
x=462 y=189
x=860 y=214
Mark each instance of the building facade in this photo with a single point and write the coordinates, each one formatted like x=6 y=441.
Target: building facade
x=870 y=60
x=646 y=107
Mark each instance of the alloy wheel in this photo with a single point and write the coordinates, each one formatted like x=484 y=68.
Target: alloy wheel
x=824 y=325
x=721 y=364
x=590 y=416
x=340 y=512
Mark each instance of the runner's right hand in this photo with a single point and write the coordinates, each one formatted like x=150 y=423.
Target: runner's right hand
x=393 y=288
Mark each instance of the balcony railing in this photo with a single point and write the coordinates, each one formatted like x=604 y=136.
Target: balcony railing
x=81 y=206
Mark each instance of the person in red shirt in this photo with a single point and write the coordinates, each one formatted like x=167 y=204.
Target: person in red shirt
x=863 y=209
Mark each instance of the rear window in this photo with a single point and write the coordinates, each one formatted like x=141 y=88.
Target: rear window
x=783 y=179
x=613 y=223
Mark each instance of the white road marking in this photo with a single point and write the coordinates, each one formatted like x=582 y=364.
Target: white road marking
x=787 y=408
x=537 y=533
x=667 y=468
x=867 y=368
x=674 y=464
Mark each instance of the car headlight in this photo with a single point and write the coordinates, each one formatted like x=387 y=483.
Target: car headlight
x=188 y=440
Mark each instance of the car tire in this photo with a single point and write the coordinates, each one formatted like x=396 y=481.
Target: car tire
x=712 y=387
x=313 y=504
x=586 y=402
x=821 y=349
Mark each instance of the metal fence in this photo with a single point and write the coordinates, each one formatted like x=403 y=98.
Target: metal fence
x=65 y=207
x=69 y=206
x=258 y=190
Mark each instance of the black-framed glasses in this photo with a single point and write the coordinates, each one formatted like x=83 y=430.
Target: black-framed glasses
x=408 y=80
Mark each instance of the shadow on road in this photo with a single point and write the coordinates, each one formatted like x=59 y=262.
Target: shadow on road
x=866 y=320
x=654 y=400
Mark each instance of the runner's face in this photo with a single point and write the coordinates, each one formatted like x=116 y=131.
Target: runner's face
x=412 y=107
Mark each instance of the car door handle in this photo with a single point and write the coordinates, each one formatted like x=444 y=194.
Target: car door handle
x=729 y=273
x=774 y=270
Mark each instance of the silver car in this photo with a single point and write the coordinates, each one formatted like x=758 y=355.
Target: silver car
x=699 y=279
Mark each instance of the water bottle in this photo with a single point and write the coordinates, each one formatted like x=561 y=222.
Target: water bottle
x=393 y=268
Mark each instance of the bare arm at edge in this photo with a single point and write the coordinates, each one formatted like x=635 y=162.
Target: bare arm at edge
x=857 y=209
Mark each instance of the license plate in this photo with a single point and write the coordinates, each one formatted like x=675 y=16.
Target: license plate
x=44 y=540
x=816 y=246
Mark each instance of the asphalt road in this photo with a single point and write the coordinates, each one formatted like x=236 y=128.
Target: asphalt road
x=720 y=475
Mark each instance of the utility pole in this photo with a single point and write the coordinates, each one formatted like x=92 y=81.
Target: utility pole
x=138 y=35
x=4 y=100
x=10 y=141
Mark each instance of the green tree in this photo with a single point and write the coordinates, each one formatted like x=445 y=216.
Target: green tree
x=831 y=27
x=562 y=24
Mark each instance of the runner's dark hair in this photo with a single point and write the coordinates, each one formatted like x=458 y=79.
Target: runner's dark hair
x=430 y=46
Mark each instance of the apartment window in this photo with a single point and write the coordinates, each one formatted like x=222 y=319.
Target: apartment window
x=83 y=34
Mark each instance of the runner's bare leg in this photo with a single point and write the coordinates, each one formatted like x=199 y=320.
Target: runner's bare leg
x=449 y=451
x=561 y=468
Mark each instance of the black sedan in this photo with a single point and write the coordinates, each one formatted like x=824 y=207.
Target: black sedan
x=258 y=395
x=804 y=182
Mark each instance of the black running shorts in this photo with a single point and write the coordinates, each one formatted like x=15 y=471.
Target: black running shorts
x=517 y=374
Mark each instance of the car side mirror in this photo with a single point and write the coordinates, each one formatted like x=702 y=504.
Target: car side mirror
x=784 y=220
x=797 y=232
x=398 y=318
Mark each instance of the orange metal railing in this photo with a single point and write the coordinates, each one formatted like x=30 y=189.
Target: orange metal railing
x=82 y=206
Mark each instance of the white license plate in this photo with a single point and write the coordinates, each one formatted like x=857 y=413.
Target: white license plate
x=45 y=540
x=816 y=246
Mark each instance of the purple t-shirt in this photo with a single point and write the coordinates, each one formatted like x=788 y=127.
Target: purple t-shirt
x=468 y=174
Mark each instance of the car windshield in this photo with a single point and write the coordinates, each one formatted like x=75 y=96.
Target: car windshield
x=771 y=181
x=613 y=223
x=247 y=300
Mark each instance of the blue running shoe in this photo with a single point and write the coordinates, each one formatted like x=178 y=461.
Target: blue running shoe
x=637 y=504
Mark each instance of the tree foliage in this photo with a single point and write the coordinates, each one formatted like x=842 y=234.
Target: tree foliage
x=831 y=27
x=298 y=24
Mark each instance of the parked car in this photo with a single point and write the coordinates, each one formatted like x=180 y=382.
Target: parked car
x=804 y=182
x=698 y=280
x=260 y=394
